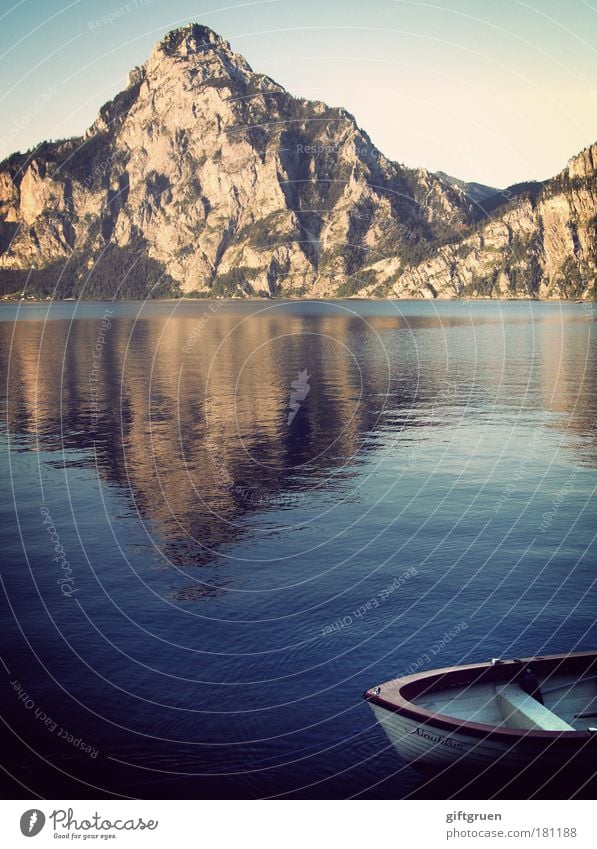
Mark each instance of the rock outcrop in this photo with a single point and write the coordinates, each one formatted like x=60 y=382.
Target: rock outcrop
x=205 y=177
x=540 y=242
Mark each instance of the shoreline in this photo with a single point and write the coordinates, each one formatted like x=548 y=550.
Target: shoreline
x=466 y=299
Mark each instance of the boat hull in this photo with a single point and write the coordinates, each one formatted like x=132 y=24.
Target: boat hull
x=427 y=747
x=435 y=742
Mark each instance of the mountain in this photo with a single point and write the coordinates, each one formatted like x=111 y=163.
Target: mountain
x=203 y=177
x=477 y=192
x=491 y=202
x=540 y=241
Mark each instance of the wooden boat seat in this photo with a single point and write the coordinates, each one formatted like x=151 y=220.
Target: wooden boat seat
x=520 y=710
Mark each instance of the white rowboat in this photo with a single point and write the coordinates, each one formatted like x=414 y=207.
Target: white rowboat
x=513 y=714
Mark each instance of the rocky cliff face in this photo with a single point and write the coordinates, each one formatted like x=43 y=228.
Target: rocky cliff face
x=542 y=243
x=205 y=177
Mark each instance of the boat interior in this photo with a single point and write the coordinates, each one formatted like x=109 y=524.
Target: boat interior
x=570 y=704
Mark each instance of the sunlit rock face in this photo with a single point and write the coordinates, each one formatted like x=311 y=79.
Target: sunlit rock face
x=205 y=176
x=541 y=244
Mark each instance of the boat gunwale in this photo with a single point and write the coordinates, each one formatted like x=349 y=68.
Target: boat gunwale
x=401 y=704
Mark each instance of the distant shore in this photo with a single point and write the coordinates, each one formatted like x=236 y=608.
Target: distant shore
x=32 y=299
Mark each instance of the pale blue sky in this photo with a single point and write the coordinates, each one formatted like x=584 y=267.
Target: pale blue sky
x=489 y=91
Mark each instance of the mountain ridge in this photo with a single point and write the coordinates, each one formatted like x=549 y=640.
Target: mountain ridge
x=206 y=178
x=477 y=192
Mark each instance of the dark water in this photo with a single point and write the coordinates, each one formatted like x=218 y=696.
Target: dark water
x=235 y=580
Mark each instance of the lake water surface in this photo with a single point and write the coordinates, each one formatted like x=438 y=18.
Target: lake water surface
x=264 y=508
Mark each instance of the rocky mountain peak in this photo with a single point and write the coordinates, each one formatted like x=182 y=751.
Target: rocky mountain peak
x=584 y=164
x=207 y=178
x=193 y=38
x=196 y=47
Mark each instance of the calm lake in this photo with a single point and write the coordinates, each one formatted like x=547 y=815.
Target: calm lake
x=222 y=521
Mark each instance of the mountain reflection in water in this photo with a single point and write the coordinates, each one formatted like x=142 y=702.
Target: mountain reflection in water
x=235 y=477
